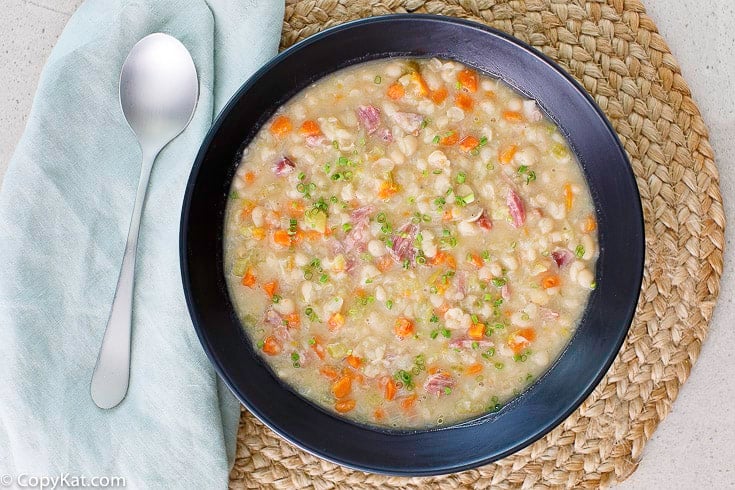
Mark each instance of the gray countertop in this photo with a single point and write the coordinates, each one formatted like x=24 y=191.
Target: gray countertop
x=693 y=447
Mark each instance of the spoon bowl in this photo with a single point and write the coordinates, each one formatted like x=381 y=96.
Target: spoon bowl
x=159 y=90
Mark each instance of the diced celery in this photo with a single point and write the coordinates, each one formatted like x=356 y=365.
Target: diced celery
x=337 y=351
x=239 y=267
x=317 y=220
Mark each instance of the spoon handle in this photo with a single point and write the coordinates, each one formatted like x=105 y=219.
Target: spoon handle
x=112 y=371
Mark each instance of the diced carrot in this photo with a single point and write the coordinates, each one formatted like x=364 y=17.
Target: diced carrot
x=296 y=208
x=379 y=414
x=246 y=209
x=506 y=155
x=444 y=258
x=464 y=101
x=353 y=361
x=360 y=292
x=312 y=235
x=442 y=308
x=447 y=216
x=390 y=389
x=341 y=388
x=310 y=128
x=281 y=237
x=248 y=279
x=568 y=196
x=520 y=340
x=336 y=321
x=281 y=125
x=438 y=96
x=476 y=260
x=270 y=288
x=396 y=91
x=468 y=143
x=590 y=224
x=388 y=189
x=344 y=406
x=249 y=177
x=432 y=369
x=293 y=320
x=420 y=83
x=513 y=116
x=385 y=263
x=329 y=372
x=450 y=139
x=408 y=402
x=473 y=368
x=476 y=331
x=258 y=233
x=271 y=346
x=404 y=327
x=550 y=281
x=468 y=79
x=490 y=95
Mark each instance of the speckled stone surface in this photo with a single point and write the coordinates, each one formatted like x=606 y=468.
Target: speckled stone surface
x=693 y=447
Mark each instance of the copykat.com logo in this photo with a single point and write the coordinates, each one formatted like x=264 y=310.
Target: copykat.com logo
x=62 y=480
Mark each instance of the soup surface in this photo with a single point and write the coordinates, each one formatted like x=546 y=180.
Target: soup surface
x=409 y=243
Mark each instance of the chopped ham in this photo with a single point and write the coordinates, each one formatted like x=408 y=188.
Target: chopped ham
x=515 y=208
x=357 y=238
x=484 y=221
x=562 y=257
x=408 y=121
x=437 y=383
x=403 y=239
x=467 y=343
x=284 y=166
x=547 y=313
x=505 y=292
x=369 y=117
x=386 y=135
x=272 y=318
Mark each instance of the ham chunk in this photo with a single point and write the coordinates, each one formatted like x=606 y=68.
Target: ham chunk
x=369 y=117
x=562 y=257
x=437 y=383
x=516 y=208
x=408 y=121
x=284 y=166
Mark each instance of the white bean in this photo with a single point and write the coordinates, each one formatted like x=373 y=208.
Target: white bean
x=377 y=248
x=466 y=229
x=455 y=114
x=590 y=248
x=408 y=145
x=585 y=278
x=284 y=306
x=258 y=215
x=510 y=262
x=380 y=294
x=429 y=248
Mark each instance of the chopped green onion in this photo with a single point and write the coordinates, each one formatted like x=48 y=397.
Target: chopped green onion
x=522 y=169
x=489 y=353
x=276 y=298
x=346 y=227
x=483 y=141
x=499 y=365
x=499 y=282
x=461 y=177
x=233 y=195
x=389 y=304
x=446 y=333
x=475 y=344
x=531 y=177
x=434 y=334
x=380 y=218
x=302 y=175
x=335 y=144
x=378 y=79
x=579 y=251
x=436 y=139
x=447 y=390
x=312 y=341
x=323 y=278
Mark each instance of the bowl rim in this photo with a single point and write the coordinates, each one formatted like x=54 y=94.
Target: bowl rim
x=322 y=453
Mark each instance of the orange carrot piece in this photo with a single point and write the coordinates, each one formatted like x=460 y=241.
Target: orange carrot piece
x=468 y=143
x=443 y=308
x=408 y=402
x=344 y=406
x=390 y=390
x=450 y=139
x=476 y=260
x=281 y=237
x=468 y=79
x=271 y=346
x=590 y=224
x=336 y=321
x=550 y=281
x=329 y=372
x=507 y=154
x=296 y=208
x=476 y=331
x=438 y=96
x=404 y=327
x=396 y=91
x=518 y=341
x=444 y=258
x=474 y=368
x=388 y=189
x=464 y=101
x=249 y=177
x=341 y=388
x=568 y=196
x=248 y=279
x=420 y=83
x=293 y=320
x=353 y=361
x=270 y=288
x=281 y=125
x=379 y=414
x=310 y=128
x=513 y=116
x=385 y=263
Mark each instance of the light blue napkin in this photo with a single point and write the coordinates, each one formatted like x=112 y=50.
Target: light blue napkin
x=65 y=207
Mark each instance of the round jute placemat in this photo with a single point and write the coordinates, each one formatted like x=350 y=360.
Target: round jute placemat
x=614 y=50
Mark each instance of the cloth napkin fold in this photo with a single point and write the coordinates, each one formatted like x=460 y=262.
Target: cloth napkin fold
x=65 y=207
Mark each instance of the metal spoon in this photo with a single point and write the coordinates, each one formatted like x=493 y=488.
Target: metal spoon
x=158 y=93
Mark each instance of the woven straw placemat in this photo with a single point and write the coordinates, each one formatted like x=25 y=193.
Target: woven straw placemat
x=614 y=50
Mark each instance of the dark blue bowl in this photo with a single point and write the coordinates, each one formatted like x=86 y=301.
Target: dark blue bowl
x=554 y=395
